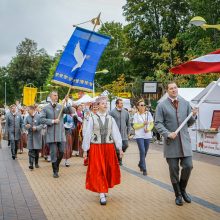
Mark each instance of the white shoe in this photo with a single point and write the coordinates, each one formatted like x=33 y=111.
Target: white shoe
x=67 y=164
x=48 y=158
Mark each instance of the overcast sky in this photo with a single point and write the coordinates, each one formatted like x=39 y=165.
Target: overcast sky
x=49 y=22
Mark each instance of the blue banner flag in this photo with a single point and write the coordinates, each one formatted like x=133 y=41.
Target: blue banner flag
x=79 y=60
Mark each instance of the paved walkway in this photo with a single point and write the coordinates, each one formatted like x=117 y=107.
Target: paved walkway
x=137 y=197
x=17 y=199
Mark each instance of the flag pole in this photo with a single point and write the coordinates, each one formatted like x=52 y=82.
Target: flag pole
x=197 y=106
x=95 y=21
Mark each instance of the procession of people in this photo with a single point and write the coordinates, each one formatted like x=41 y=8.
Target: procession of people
x=101 y=137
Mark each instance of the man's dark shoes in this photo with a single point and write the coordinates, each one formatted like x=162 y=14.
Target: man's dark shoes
x=145 y=173
x=55 y=170
x=186 y=197
x=55 y=175
x=179 y=201
x=176 y=188
x=31 y=167
x=36 y=166
x=13 y=157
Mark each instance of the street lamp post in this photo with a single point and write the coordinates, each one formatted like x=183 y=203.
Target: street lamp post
x=5 y=93
x=201 y=22
x=93 y=87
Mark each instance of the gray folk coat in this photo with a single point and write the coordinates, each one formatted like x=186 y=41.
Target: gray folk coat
x=14 y=126
x=55 y=132
x=167 y=120
x=34 y=140
x=122 y=119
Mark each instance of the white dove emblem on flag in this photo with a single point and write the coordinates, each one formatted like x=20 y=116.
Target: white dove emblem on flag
x=79 y=57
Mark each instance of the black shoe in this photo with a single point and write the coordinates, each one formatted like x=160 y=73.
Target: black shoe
x=145 y=173
x=55 y=175
x=13 y=157
x=179 y=201
x=140 y=168
x=186 y=197
x=37 y=166
x=120 y=163
x=177 y=191
x=31 y=167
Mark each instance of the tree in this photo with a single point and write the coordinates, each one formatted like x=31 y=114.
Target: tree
x=30 y=65
x=161 y=38
x=150 y=21
x=114 y=58
x=6 y=81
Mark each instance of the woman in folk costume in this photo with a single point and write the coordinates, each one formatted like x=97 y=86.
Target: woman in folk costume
x=68 y=125
x=77 y=132
x=93 y=110
x=143 y=124
x=101 y=137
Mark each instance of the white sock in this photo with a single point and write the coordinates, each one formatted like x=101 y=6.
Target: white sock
x=102 y=195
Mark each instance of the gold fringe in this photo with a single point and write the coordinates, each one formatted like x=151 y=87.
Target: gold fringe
x=72 y=87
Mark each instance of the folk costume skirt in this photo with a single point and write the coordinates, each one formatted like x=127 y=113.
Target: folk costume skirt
x=103 y=169
x=23 y=142
x=68 y=147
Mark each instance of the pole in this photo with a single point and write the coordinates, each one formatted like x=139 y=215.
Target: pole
x=5 y=94
x=93 y=89
x=96 y=22
x=197 y=106
x=67 y=95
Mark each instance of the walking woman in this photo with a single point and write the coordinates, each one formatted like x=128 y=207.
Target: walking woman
x=101 y=135
x=143 y=124
x=93 y=111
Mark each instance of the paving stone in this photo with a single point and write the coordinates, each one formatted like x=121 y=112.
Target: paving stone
x=137 y=197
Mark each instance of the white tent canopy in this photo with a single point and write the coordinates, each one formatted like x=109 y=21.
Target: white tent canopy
x=213 y=97
x=201 y=138
x=85 y=99
x=187 y=93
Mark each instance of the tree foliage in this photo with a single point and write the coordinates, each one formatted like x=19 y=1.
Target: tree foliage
x=156 y=37
x=30 y=65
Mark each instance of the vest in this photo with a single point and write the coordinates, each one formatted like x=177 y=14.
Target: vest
x=102 y=132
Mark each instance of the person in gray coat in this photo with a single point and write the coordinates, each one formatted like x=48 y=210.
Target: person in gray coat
x=13 y=127
x=55 y=129
x=170 y=113
x=34 y=142
x=122 y=119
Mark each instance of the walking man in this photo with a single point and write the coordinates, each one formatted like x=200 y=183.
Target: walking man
x=55 y=137
x=34 y=143
x=122 y=119
x=13 y=127
x=177 y=147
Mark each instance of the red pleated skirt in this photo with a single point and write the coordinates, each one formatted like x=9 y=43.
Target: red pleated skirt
x=103 y=169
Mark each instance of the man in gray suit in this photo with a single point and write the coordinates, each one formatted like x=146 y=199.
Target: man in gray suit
x=177 y=147
x=122 y=119
x=34 y=142
x=13 y=127
x=55 y=137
